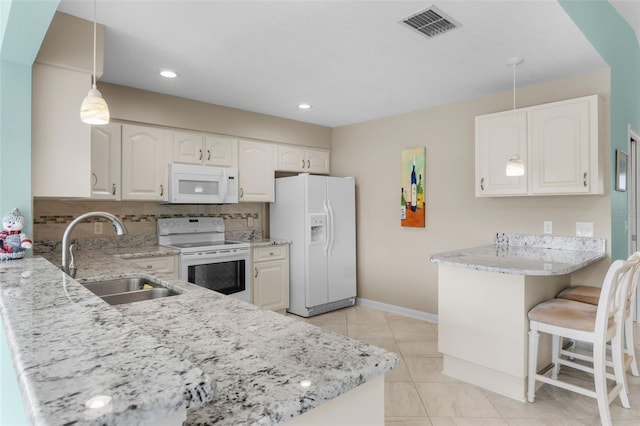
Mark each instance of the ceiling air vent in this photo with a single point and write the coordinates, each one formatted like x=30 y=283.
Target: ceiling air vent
x=431 y=22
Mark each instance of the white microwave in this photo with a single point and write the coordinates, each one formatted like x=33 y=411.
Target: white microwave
x=192 y=184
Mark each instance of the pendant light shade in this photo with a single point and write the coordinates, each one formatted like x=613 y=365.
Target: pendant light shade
x=94 y=109
x=515 y=166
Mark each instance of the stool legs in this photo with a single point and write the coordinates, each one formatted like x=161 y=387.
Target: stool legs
x=600 y=379
x=556 y=346
x=534 y=336
x=629 y=345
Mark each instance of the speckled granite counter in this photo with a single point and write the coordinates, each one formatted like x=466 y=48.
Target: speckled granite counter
x=527 y=255
x=69 y=346
x=495 y=286
x=261 y=242
x=257 y=359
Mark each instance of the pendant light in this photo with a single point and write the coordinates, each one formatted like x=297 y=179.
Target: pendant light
x=94 y=109
x=515 y=166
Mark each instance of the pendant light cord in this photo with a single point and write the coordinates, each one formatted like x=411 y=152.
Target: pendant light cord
x=94 y=43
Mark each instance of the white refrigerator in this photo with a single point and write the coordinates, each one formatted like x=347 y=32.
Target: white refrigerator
x=318 y=215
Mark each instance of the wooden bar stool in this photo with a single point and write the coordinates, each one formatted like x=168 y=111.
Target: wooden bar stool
x=593 y=324
x=591 y=295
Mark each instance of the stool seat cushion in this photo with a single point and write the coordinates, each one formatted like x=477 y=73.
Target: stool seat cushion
x=565 y=313
x=581 y=293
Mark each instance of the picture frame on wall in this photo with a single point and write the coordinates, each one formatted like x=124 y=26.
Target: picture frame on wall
x=622 y=161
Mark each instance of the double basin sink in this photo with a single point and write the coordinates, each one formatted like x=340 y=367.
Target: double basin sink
x=128 y=290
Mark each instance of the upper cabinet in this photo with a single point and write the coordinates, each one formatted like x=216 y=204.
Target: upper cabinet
x=206 y=149
x=106 y=161
x=558 y=143
x=256 y=171
x=145 y=154
x=303 y=159
x=60 y=147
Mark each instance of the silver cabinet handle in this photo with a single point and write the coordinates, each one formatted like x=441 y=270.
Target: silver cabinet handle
x=208 y=155
x=161 y=190
x=256 y=275
x=303 y=163
x=308 y=164
x=584 y=179
x=241 y=192
x=113 y=189
x=482 y=184
x=95 y=177
x=200 y=154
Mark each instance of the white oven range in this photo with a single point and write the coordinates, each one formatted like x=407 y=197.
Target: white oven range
x=206 y=258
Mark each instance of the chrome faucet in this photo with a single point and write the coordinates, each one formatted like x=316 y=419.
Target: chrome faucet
x=68 y=266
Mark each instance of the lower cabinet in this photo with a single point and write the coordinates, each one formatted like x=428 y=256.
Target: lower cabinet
x=271 y=277
x=165 y=264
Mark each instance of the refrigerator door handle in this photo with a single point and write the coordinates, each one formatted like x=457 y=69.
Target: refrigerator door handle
x=327 y=228
x=330 y=244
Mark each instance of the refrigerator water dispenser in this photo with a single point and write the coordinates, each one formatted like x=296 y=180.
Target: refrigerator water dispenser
x=318 y=225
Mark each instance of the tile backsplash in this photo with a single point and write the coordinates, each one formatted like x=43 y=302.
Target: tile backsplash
x=51 y=217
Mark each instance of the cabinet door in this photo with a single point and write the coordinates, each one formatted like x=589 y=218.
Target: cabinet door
x=60 y=142
x=221 y=151
x=105 y=161
x=144 y=168
x=188 y=147
x=497 y=140
x=317 y=161
x=256 y=171
x=559 y=148
x=271 y=285
x=291 y=159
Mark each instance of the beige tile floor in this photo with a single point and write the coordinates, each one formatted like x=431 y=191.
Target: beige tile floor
x=418 y=394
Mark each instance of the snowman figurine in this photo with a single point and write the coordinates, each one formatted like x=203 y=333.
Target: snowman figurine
x=13 y=242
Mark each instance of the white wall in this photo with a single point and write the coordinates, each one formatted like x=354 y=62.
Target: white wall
x=393 y=265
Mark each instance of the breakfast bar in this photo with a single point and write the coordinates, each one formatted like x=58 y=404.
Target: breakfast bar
x=484 y=295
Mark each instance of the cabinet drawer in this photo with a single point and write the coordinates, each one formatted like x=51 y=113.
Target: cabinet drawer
x=262 y=254
x=156 y=263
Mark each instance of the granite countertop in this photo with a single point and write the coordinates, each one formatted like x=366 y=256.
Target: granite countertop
x=256 y=359
x=261 y=242
x=69 y=346
x=522 y=254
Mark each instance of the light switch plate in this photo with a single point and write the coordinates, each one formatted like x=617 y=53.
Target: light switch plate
x=250 y=221
x=584 y=229
x=548 y=227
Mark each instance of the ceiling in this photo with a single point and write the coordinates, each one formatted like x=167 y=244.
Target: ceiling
x=351 y=60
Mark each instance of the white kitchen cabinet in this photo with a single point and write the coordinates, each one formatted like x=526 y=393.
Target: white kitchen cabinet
x=145 y=154
x=302 y=159
x=558 y=143
x=256 y=170
x=165 y=264
x=563 y=148
x=106 y=161
x=497 y=140
x=61 y=148
x=205 y=149
x=271 y=277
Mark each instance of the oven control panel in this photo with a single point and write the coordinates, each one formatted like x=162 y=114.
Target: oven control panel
x=189 y=225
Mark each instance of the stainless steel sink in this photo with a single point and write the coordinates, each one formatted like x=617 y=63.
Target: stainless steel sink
x=128 y=290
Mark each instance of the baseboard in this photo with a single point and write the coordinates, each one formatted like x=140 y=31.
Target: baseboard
x=424 y=316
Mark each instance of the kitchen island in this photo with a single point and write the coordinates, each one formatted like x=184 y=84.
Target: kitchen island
x=484 y=295
x=222 y=360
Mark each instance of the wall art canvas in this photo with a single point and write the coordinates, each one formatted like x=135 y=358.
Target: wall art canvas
x=412 y=191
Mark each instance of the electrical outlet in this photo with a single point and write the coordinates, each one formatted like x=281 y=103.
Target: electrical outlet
x=584 y=229
x=250 y=221
x=97 y=227
x=548 y=227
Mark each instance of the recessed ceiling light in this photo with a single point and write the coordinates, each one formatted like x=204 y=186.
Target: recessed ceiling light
x=168 y=74
x=304 y=106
